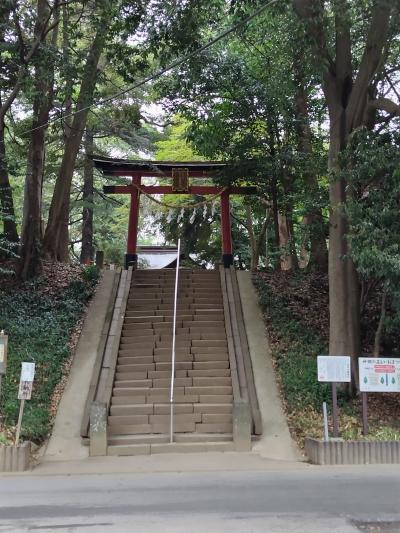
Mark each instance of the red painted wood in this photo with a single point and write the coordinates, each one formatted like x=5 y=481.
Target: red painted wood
x=201 y=190
x=133 y=217
x=226 y=224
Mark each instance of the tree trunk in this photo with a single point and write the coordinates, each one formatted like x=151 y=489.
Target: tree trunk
x=55 y=239
x=284 y=243
x=87 y=251
x=379 y=330
x=318 y=248
x=255 y=255
x=69 y=82
x=31 y=238
x=275 y=216
x=10 y=232
x=344 y=292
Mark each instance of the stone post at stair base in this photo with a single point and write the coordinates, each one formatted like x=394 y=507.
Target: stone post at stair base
x=241 y=426
x=98 y=429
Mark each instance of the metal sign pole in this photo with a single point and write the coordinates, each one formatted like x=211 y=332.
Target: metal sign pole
x=171 y=399
x=335 y=411
x=365 y=413
x=326 y=430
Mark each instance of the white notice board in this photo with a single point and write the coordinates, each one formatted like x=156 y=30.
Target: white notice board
x=27 y=372
x=378 y=374
x=334 y=368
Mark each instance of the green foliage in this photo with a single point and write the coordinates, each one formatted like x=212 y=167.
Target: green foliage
x=174 y=145
x=4 y=439
x=298 y=349
x=372 y=166
x=39 y=326
x=91 y=273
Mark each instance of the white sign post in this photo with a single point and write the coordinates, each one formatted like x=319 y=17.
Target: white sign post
x=334 y=369
x=377 y=374
x=3 y=357
x=24 y=392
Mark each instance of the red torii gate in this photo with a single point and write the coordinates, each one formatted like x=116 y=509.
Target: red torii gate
x=180 y=172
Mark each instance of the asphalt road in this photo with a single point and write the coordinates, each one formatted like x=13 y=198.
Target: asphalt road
x=313 y=500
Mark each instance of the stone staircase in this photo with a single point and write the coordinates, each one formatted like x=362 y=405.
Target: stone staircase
x=139 y=416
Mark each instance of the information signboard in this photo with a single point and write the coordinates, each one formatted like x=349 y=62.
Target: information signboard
x=26 y=381
x=378 y=374
x=25 y=390
x=28 y=372
x=334 y=369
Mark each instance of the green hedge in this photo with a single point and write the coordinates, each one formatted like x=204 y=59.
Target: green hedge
x=39 y=327
x=296 y=356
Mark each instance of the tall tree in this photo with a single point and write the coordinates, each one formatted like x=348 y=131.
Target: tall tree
x=56 y=243
x=87 y=250
x=349 y=82
x=32 y=234
x=17 y=52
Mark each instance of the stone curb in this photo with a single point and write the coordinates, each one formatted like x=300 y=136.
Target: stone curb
x=352 y=452
x=15 y=458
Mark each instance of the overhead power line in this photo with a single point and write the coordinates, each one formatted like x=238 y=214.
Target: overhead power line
x=161 y=71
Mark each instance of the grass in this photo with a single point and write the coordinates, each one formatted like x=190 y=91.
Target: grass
x=39 y=321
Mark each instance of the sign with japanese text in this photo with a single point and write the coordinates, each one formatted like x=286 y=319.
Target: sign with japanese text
x=334 y=369
x=26 y=381
x=378 y=374
x=25 y=390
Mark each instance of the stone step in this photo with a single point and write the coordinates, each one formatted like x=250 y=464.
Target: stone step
x=179 y=418
x=141 y=317
x=180 y=356
x=185 y=294
x=182 y=287
x=157 y=383
x=195 y=365
x=151 y=374
x=170 y=312
x=128 y=341
x=223 y=427
x=159 y=303
x=188 y=390
x=150 y=449
x=136 y=366
x=213 y=408
x=152 y=409
x=167 y=337
x=140 y=429
x=170 y=293
x=178 y=438
x=215 y=373
x=161 y=398
x=137 y=439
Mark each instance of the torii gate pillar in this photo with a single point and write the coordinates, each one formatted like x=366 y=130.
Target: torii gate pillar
x=131 y=248
x=226 y=231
